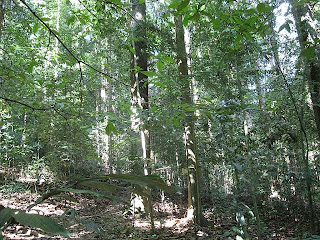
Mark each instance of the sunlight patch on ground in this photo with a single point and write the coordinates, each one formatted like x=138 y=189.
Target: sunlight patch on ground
x=179 y=225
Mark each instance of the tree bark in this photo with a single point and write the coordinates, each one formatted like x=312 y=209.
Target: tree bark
x=194 y=204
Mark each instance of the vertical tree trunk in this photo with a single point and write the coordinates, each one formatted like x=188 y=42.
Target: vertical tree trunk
x=311 y=69
x=104 y=105
x=194 y=204
x=140 y=89
x=311 y=66
x=139 y=83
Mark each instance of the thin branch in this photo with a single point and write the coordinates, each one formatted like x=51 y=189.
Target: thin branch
x=34 y=108
x=59 y=113
x=24 y=104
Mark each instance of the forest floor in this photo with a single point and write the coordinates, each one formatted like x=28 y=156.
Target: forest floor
x=93 y=218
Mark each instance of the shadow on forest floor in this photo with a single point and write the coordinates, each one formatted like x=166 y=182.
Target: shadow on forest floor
x=92 y=218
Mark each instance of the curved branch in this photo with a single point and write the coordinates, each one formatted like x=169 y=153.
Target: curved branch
x=24 y=104
x=34 y=108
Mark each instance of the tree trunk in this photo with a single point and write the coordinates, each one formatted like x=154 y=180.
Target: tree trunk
x=104 y=105
x=194 y=204
x=139 y=83
x=311 y=66
x=139 y=90
x=311 y=69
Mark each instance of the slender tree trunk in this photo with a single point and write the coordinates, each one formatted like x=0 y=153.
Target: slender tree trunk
x=139 y=83
x=140 y=89
x=105 y=106
x=194 y=204
x=311 y=69
x=134 y=116
x=311 y=66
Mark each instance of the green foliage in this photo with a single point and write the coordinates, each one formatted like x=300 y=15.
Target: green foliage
x=86 y=127
x=32 y=220
x=110 y=128
x=286 y=26
x=151 y=181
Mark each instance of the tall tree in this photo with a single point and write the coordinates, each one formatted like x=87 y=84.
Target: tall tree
x=311 y=72
x=139 y=81
x=140 y=89
x=194 y=204
x=311 y=53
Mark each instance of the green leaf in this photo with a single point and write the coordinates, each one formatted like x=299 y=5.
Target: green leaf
x=285 y=26
x=132 y=39
x=176 y=122
x=238 y=20
x=45 y=223
x=183 y=5
x=195 y=17
x=71 y=20
x=158 y=84
x=94 y=193
x=282 y=27
x=160 y=65
x=45 y=19
x=262 y=7
x=216 y=23
x=5 y=215
x=108 y=187
x=185 y=20
x=110 y=128
x=132 y=50
x=111 y=116
x=308 y=52
x=102 y=186
x=151 y=181
x=83 y=19
x=175 y=4
x=167 y=59
x=149 y=73
x=209 y=15
x=31 y=65
x=116 y=1
x=35 y=27
x=141 y=1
